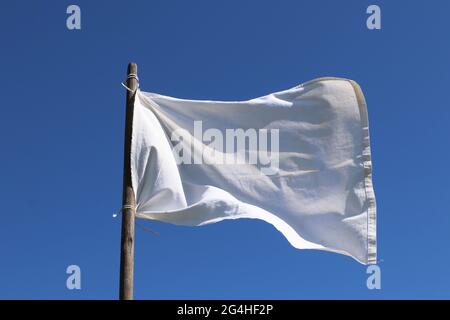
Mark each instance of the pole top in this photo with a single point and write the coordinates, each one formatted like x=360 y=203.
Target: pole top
x=132 y=68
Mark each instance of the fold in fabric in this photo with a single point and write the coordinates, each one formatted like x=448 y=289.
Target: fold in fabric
x=303 y=164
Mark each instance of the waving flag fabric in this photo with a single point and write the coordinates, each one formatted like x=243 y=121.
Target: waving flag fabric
x=299 y=159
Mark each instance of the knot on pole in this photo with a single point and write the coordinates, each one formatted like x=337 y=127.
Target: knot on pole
x=131 y=76
x=119 y=211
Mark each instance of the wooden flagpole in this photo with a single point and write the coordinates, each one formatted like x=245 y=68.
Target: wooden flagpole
x=128 y=199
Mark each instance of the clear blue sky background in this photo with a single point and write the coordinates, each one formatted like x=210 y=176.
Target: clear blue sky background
x=62 y=123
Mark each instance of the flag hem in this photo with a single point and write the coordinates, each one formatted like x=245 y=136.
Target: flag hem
x=368 y=185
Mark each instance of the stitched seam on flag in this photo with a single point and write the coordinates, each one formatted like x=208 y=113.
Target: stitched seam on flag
x=368 y=185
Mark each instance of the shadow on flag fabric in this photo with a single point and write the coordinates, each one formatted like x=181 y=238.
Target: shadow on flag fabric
x=298 y=159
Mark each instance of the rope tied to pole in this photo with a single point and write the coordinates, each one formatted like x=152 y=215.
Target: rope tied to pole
x=142 y=227
x=131 y=76
x=119 y=211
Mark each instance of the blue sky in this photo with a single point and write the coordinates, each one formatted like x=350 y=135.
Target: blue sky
x=61 y=133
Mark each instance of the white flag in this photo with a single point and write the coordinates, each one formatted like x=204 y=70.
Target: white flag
x=298 y=159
